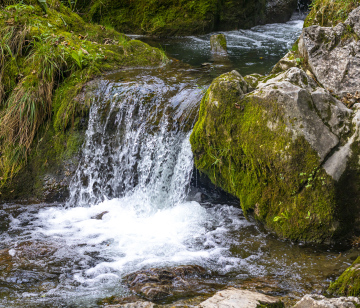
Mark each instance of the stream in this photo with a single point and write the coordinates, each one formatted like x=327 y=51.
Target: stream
x=136 y=201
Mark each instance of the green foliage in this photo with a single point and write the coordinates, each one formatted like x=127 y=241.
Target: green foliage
x=176 y=17
x=330 y=12
x=348 y=284
x=41 y=53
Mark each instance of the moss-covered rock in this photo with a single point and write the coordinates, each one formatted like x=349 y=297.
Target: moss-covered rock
x=348 y=284
x=218 y=43
x=184 y=17
x=45 y=60
x=268 y=147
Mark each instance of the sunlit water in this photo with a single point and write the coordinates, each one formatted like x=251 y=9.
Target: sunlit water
x=135 y=204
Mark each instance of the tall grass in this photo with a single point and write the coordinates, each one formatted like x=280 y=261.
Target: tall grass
x=329 y=13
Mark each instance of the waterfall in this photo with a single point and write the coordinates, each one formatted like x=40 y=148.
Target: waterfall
x=137 y=142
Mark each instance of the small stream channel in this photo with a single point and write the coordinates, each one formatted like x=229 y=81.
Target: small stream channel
x=136 y=201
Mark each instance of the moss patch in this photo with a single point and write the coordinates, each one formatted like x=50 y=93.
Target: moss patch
x=176 y=17
x=348 y=284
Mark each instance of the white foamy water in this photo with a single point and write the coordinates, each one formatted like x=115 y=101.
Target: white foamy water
x=128 y=208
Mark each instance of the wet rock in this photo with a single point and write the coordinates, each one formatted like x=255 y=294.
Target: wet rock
x=155 y=284
x=218 y=44
x=333 y=54
x=99 y=216
x=279 y=10
x=5 y=262
x=319 y=301
x=236 y=298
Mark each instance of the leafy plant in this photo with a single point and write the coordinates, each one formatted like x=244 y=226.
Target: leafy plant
x=283 y=216
x=78 y=57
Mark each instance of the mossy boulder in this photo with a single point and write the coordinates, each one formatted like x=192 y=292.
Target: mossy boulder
x=348 y=284
x=280 y=150
x=186 y=17
x=218 y=43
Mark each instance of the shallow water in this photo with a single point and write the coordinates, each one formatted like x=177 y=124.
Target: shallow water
x=135 y=203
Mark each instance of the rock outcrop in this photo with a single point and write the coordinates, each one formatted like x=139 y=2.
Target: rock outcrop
x=236 y=298
x=333 y=55
x=348 y=284
x=319 y=301
x=287 y=150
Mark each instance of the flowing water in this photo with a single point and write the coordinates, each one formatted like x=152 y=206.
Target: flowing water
x=255 y=50
x=137 y=203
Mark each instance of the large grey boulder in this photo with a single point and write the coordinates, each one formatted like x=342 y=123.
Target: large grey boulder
x=319 y=301
x=287 y=148
x=333 y=55
x=236 y=298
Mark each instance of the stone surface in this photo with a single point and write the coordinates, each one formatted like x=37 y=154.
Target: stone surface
x=333 y=54
x=292 y=91
x=288 y=61
x=236 y=298
x=279 y=10
x=319 y=301
x=155 y=284
x=218 y=43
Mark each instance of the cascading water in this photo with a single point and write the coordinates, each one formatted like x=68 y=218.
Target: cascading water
x=137 y=144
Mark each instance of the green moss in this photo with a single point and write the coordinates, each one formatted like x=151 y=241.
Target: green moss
x=250 y=153
x=176 y=17
x=329 y=12
x=348 y=284
x=45 y=60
